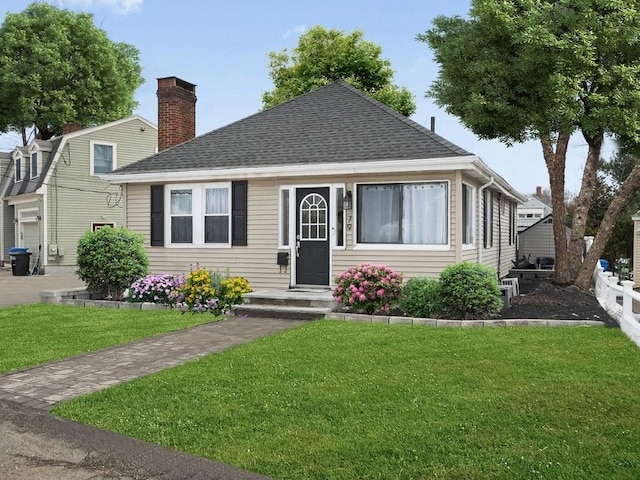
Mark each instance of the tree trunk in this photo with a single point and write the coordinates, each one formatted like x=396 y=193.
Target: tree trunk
x=23 y=130
x=619 y=202
x=556 y=161
x=583 y=203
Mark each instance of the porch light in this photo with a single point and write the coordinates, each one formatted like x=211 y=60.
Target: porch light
x=347 y=201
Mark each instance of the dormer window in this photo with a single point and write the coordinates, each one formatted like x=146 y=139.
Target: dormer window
x=18 y=169
x=34 y=165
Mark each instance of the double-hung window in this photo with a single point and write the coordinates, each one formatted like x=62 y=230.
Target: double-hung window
x=18 y=169
x=34 y=165
x=199 y=214
x=403 y=213
x=467 y=215
x=488 y=219
x=103 y=157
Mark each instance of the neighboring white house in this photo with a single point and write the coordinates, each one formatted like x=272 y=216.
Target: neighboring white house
x=532 y=211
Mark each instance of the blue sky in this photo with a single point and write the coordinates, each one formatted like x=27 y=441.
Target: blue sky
x=222 y=47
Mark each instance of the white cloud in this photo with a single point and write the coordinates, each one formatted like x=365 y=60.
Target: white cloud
x=123 y=7
x=298 y=29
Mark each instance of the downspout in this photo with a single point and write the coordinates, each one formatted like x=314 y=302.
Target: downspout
x=481 y=203
x=499 y=232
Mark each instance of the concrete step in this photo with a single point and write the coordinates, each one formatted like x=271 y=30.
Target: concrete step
x=292 y=298
x=281 y=311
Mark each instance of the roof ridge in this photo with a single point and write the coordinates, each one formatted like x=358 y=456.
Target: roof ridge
x=411 y=123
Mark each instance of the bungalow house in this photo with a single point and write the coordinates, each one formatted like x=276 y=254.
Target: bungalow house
x=53 y=194
x=297 y=193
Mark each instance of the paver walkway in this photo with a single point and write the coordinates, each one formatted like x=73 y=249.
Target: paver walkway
x=43 y=386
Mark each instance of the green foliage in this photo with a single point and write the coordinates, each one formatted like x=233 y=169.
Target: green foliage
x=111 y=259
x=57 y=67
x=201 y=291
x=232 y=290
x=368 y=287
x=323 y=56
x=421 y=297
x=470 y=291
x=516 y=70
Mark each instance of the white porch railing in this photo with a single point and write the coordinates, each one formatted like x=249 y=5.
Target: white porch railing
x=618 y=301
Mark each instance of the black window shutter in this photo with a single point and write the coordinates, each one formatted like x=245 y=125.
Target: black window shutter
x=239 y=213
x=157 y=215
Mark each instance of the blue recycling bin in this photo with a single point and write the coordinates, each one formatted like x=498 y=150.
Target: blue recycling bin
x=19 y=261
x=604 y=264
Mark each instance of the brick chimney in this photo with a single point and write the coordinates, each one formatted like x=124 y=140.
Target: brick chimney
x=176 y=112
x=538 y=192
x=71 y=127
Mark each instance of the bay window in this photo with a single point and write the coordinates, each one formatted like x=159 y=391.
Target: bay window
x=403 y=213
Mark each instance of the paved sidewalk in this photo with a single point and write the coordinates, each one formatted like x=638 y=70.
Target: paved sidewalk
x=43 y=386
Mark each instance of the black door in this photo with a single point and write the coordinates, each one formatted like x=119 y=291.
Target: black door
x=312 y=236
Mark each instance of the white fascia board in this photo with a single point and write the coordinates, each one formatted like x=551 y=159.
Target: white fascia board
x=299 y=170
x=22 y=198
x=466 y=163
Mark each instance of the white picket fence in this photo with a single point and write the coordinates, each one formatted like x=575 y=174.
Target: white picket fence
x=618 y=301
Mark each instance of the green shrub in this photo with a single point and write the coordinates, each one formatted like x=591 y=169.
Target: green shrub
x=110 y=260
x=469 y=290
x=421 y=298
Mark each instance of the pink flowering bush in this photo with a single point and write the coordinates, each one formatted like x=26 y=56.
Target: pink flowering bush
x=368 y=287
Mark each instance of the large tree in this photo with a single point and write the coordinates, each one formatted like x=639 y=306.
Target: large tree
x=547 y=69
x=57 y=67
x=323 y=56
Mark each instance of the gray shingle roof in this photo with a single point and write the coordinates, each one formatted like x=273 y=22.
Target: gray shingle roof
x=28 y=184
x=335 y=123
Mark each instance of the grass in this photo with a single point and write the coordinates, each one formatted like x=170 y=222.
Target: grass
x=40 y=333
x=334 y=400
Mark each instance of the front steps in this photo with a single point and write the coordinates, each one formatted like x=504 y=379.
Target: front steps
x=295 y=304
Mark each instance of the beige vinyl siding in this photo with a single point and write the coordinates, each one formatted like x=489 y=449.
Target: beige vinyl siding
x=256 y=261
x=75 y=198
x=500 y=255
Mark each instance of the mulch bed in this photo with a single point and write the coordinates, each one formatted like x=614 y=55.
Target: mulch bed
x=541 y=298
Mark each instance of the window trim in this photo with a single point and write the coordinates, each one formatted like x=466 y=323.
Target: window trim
x=37 y=169
x=198 y=210
x=488 y=218
x=400 y=246
x=284 y=214
x=472 y=216
x=114 y=158
x=18 y=169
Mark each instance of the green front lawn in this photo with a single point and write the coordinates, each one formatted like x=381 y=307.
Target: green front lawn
x=40 y=333
x=335 y=400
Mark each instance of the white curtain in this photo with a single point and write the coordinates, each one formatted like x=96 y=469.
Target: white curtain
x=379 y=207
x=217 y=201
x=424 y=209
x=181 y=202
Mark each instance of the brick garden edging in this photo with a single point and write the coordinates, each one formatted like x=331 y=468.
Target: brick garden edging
x=432 y=322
